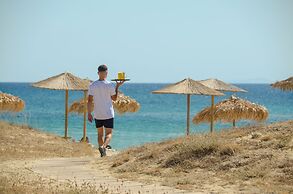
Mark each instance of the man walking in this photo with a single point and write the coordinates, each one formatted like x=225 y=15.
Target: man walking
x=102 y=92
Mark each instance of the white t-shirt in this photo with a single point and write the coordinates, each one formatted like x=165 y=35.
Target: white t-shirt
x=102 y=92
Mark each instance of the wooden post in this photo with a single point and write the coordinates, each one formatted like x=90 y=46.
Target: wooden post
x=234 y=123
x=66 y=114
x=188 y=114
x=212 y=114
x=84 y=116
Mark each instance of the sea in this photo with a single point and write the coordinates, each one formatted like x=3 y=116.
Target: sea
x=160 y=116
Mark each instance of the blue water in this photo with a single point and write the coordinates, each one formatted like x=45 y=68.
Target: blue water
x=160 y=116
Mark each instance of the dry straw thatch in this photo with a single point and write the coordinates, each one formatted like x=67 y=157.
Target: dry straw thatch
x=125 y=104
x=122 y=105
x=221 y=86
x=63 y=81
x=231 y=110
x=188 y=86
x=10 y=103
x=285 y=85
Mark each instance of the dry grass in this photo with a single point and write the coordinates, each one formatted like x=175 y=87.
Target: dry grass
x=18 y=182
x=23 y=142
x=250 y=159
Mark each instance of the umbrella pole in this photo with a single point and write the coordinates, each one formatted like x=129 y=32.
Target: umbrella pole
x=188 y=114
x=212 y=113
x=234 y=123
x=84 y=117
x=66 y=113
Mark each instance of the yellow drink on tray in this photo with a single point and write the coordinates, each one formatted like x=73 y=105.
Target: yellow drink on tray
x=121 y=75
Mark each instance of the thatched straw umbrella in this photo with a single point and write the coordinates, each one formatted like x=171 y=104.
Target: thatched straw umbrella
x=10 y=103
x=285 y=85
x=125 y=104
x=219 y=86
x=122 y=105
x=65 y=81
x=232 y=110
x=188 y=87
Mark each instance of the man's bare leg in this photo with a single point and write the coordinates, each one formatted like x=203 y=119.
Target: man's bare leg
x=102 y=149
x=100 y=136
x=108 y=136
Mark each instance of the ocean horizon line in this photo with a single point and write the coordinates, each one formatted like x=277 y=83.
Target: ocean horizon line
x=261 y=83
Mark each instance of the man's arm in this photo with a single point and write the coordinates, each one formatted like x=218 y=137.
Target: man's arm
x=89 y=108
x=118 y=84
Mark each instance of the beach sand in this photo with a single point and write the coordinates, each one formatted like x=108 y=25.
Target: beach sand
x=243 y=160
x=36 y=162
x=20 y=146
x=255 y=159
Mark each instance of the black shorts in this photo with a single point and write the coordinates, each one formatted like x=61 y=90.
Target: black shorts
x=107 y=123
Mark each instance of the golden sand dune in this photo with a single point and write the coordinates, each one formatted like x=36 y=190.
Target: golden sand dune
x=255 y=159
x=22 y=142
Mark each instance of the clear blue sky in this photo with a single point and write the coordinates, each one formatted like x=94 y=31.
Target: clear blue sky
x=240 y=41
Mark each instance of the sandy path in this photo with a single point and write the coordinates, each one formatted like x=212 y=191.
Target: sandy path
x=81 y=170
